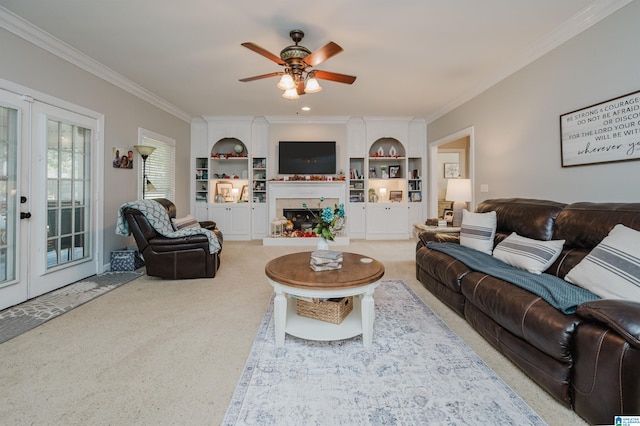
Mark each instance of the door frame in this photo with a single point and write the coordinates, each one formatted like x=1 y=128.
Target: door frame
x=433 y=172
x=97 y=166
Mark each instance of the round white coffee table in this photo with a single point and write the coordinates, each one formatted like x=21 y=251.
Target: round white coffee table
x=290 y=275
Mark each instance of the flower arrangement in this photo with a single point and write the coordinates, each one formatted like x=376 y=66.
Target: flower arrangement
x=331 y=220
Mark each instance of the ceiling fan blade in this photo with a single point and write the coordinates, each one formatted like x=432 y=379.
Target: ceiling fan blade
x=259 y=77
x=322 y=54
x=259 y=50
x=332 y=76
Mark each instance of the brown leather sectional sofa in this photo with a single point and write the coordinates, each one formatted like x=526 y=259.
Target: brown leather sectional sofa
x=590 y=360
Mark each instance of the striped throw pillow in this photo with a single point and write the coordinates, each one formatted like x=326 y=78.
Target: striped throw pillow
x=526 y=253
x=185 y=222
x=612 y=269
x=478 y=230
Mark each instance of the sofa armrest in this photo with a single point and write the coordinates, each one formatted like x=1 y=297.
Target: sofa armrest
x=208 y=224
x=621 y=315
x=426 y=237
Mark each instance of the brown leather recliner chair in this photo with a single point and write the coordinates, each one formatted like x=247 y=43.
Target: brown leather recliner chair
x=173 y=258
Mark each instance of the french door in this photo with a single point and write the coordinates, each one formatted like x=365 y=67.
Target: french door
x=50 y=207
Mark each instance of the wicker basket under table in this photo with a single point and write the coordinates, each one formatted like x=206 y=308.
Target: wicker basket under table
x=330 y=310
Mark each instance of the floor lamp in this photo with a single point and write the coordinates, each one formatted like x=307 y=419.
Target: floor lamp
x=458 y=191
x=144 y=151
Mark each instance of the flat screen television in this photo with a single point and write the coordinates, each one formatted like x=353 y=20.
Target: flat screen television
x=306 y=158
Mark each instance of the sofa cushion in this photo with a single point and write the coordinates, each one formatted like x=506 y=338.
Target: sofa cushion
x=612 y=269
x=527 y=217
x=526 y=253
x=477 y=230
x=522 y=313
x=185 y=222
x=584 y=225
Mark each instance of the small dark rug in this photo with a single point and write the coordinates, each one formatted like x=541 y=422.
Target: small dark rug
x=23 y=317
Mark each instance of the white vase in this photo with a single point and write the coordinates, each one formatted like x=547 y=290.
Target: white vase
x=323 y=244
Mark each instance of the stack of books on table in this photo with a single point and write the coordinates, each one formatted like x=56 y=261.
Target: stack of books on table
x=326 y=260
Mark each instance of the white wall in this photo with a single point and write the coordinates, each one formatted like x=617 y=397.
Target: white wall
x=32 y=67
x=516 y=122
x=308 y=132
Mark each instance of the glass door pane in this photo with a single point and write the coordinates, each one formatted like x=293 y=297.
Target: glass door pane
x=8 y=195
x=68 y=183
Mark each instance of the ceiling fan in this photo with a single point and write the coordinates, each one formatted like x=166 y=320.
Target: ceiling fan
x=296 y=79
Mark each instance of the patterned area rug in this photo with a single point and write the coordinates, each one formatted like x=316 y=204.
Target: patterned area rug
x=23 y=317
x=418 y=372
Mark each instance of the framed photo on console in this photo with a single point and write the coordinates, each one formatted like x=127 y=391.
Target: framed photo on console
x=448 y=215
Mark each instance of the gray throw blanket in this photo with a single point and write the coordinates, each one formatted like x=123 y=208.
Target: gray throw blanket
x=159 y=220
x=559 y=293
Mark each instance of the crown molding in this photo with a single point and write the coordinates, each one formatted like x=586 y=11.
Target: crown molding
x=34 y=35
x=589 y=16
x=296 y=119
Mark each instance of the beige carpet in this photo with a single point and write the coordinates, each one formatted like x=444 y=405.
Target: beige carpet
x=156 y=352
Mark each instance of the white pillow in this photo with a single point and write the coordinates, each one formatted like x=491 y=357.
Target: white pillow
x=185 y=222
x=477 y=230
x=612 y=269
x=526 y=253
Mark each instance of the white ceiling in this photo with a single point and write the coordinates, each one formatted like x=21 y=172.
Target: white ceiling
x=412 y=57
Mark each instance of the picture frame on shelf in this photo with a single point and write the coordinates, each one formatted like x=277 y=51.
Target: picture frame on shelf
x=395 y=196
x=225 y=190
x=451 y=170
x=394 y=171
x=244 y=194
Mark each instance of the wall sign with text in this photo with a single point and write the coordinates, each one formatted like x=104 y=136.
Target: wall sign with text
x=602 y=133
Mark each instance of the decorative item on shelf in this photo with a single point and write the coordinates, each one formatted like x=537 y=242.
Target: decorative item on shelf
x=330 y=221
x=238 y=149
x=383 y=194
x=373 y=197
x=383 y=172
x=380 y=152
x=393 y=152
x=459 y=191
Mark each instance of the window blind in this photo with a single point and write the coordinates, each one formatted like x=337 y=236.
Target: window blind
x=160 y=169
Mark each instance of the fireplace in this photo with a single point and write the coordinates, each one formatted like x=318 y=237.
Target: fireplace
x=286 y=196
x=302 y=219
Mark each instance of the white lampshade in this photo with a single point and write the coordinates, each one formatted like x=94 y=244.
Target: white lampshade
x=312 y=86
x=286 y=82
x=291 y=94
x=458 y=190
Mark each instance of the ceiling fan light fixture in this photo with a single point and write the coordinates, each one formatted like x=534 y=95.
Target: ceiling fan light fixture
x=291 y=94
x=312 y=86
x=286 y=82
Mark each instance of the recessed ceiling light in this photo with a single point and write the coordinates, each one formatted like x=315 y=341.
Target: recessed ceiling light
x=306 y=108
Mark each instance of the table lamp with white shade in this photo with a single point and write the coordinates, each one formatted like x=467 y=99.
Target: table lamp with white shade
x=458 y=191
